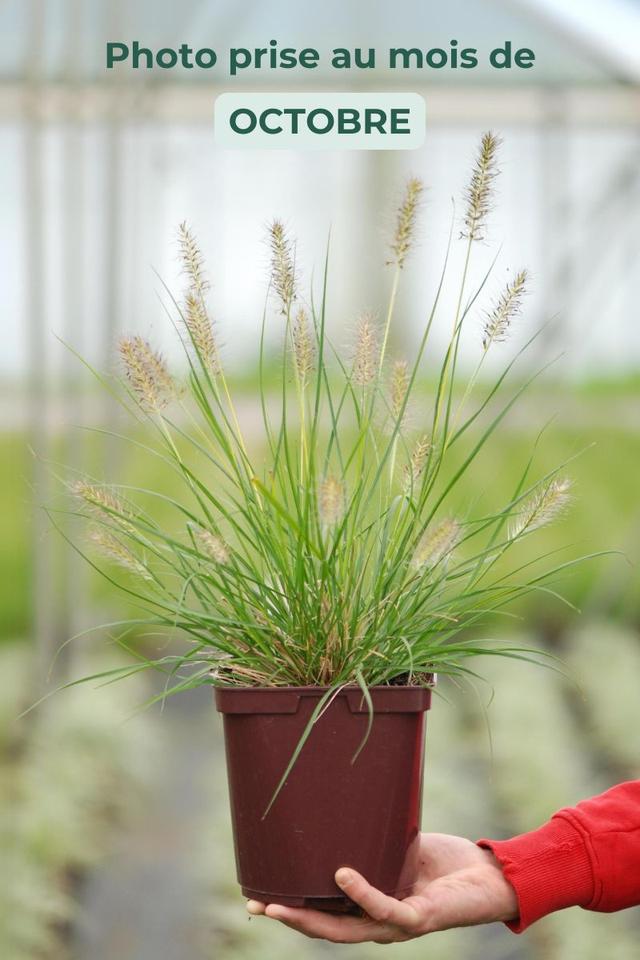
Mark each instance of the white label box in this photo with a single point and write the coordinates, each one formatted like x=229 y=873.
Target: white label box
x=320 y=121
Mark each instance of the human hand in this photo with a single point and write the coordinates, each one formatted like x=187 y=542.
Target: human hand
x=459 y=884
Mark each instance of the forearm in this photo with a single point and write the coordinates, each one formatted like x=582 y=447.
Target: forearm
x=587 y=856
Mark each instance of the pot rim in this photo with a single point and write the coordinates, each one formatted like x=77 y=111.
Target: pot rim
x=348 y=687
x=276 y=700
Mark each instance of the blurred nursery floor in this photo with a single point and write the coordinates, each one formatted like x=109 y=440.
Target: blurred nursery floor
x=144 y=902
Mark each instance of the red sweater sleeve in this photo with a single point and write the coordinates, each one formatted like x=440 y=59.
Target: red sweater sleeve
x=587 y=856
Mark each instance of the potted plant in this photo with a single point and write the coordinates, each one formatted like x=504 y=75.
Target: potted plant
x=320 y=584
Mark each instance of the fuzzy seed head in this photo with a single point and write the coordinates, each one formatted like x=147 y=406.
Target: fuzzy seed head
x=480 y=189
x=331 y=500
x=283 y=277
x=407 y=215
x=118 y=553
x=192 y=261
x=413 y=469
x=211 y=545
x=542 y=508
x=399 y=387
x=436 y=544
x=365 y=361
x=303 y=352
x=146 y=374
x=508 y=306
x=102 y=502
x=200 y=330
x=196 y=316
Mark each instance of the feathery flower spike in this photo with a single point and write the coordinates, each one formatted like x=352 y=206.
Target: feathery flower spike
x=404 y=234
x=146 y=373
x=196 y=316
x=192 y=261
x=399 y=386
x=211 y=545
x=115 y=551
x=201 y=332
x=542 y=508
x=479 y=191
x=365 y=361
x=283 y=278
x=507 y=307
x=413 y=469
x=302 y=346
x=331 y=500
x=102 y=501
x=437 y=543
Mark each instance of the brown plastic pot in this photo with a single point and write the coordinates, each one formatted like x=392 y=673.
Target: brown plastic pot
x=330 y=812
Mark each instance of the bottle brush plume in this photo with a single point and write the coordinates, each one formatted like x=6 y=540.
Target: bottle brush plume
x=415 y=468
x=367 y=351
x=211 y=545
x=146 y=373
x=331 y=500
x=200 y=330
x=479 y=194
x=542 y=508
x=116 y=551
x=399 y=387
x=437 y=543
x=192 y=262
x=283 y=274
x=102 y=502
x=499 y=319
x=195 y=314
x=303 y=347
x=406 y=221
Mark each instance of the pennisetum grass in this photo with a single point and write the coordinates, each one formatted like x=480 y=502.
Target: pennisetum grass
x=331 y=556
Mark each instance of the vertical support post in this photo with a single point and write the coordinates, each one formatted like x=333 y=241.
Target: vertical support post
x=556 y=252
x=42 y=588
x=72 y=571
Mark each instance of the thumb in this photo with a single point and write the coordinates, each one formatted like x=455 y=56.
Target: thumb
x=375 y=904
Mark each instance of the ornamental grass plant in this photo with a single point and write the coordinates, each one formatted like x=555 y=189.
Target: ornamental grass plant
x=334 y=558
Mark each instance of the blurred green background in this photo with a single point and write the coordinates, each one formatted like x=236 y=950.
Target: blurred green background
x=114 y=826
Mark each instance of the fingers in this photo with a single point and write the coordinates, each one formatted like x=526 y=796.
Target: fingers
x=388 y=920
x=376 y=904
x=327 y=926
